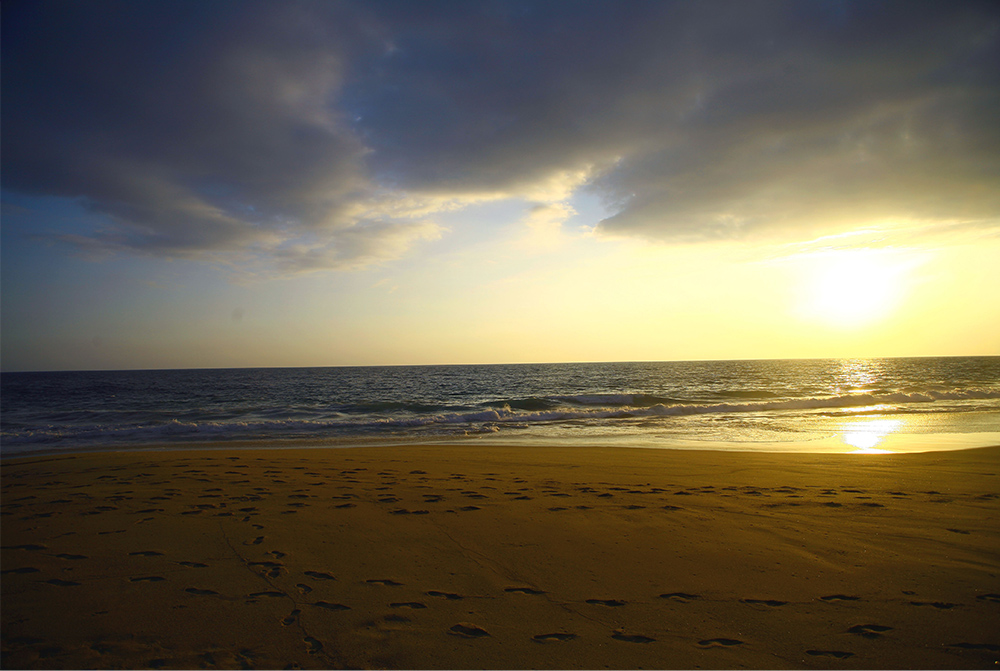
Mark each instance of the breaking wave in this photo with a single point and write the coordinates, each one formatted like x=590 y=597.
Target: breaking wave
x=55 y=411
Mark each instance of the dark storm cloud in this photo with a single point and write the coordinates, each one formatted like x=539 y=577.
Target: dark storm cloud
x=193 y=128
x=703 y=119
x=275 y=128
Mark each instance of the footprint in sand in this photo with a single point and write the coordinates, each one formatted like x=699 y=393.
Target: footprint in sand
x=771 y=603
x=271 y=569
x=606 y=602
x=147 y=578
x=407 y=604
x=72 y=557
x=255 y=541
x=62 y=583
x=682 y=597
x=839 y=654
x=146 y=553
x=446 y=595
x=384 y=581
x=292 y=618
x=313 y=646
x=719 y=642
x=201 y=592
x=549 y=638
x=524 y=590
x=937 y=604
x=193 y=564
x=303 y=588
x=839 y=597
x=869 y=630
x=631 y=638
x=990 y=647
x=258 y=595
x=468 y=630
x=319 y=575
x=995 y=598
x=331 y=606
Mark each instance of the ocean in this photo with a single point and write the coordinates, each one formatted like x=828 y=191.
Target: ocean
x=830 y=405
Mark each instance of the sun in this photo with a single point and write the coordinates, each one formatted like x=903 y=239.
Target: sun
x=852 y=288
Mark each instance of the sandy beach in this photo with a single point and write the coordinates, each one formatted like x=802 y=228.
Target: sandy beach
x=492 y=557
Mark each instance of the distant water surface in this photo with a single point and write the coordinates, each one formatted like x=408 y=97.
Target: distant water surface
x=791 y=405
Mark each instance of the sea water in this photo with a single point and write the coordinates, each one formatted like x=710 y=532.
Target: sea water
x=845 y=405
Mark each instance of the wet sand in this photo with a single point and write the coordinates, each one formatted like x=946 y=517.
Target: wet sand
x=489 y=557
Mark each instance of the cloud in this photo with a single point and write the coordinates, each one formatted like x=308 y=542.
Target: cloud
x=543 y=224
x=316 y=135
x=219 y=137
x=700 y=120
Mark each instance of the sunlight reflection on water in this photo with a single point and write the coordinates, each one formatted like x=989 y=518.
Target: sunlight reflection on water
x=867 y=435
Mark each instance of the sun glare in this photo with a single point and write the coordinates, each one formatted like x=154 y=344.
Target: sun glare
x=849 y=289
x=866 y=435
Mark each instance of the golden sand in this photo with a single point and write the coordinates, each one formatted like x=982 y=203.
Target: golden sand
x=487 y=557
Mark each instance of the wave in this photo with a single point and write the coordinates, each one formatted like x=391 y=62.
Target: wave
x=420 y=419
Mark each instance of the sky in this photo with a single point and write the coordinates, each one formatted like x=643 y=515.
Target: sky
x=282 y=183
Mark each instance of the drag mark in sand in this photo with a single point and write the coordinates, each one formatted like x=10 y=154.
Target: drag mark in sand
x=313 y=645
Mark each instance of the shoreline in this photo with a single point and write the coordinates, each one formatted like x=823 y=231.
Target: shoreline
x=489 y=556
x=900 y=443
